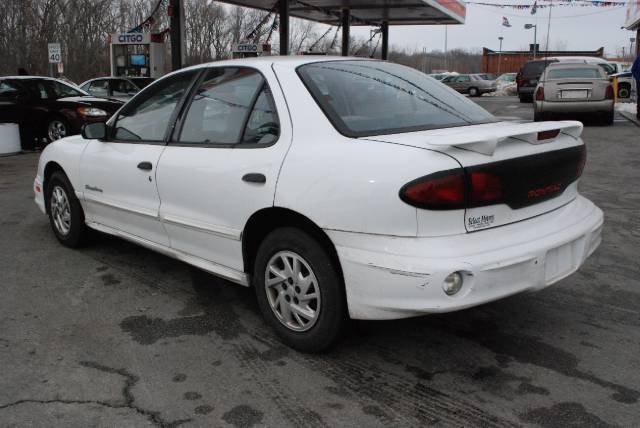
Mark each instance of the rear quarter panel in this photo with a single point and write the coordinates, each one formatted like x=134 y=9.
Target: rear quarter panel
x=349 y=184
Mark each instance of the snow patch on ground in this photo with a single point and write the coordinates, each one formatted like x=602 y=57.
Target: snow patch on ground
x=626 y=107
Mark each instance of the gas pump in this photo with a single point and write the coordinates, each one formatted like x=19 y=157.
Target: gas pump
x=137 y=54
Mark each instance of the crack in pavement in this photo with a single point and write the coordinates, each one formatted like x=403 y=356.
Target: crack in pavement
x=128 y=400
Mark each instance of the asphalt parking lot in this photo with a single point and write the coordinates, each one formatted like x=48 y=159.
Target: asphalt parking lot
x=116 y=335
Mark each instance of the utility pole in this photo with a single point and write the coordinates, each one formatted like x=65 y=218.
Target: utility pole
x=500 y=54
x=535 y=36
x=446 y=59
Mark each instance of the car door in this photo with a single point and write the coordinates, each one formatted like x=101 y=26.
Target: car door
x=34 y=109
x=118 y=175
x=462 y=83
x=222 y=163
x=13 y=107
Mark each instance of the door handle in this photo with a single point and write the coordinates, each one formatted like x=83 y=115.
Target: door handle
x=146 y=166
x=254 y=177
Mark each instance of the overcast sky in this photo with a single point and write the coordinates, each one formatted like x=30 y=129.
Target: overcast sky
x=595 y=28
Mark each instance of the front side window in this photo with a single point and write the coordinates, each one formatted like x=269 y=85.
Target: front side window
x=62 y=90
x=224 y=104
x=364 y=98
x=147 y=118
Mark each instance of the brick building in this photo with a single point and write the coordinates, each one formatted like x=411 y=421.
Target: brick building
x=511 y=61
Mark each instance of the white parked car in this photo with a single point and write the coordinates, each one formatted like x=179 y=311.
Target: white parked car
x=335 y=187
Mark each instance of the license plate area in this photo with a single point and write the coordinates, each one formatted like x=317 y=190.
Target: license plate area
x=574 y=94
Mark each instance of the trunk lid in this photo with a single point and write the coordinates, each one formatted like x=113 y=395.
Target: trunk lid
x=536 y=166
x=575 y=90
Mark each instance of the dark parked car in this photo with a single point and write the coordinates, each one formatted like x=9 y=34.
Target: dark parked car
x=528 y=77
x=47 y=109
x=121 y=88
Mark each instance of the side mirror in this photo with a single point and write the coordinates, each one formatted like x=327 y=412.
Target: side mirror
x=94 y=131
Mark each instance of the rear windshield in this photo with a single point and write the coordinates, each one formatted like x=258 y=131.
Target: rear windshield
x=535 y=68
x=363 y=98
x=580 y=73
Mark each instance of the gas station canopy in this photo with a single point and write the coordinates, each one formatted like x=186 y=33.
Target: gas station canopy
x=371 y=12
x=344 y=13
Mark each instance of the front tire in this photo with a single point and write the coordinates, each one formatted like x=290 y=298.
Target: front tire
x=57 y=128
x=474 y=92
x=65 y=212
x=299 y=290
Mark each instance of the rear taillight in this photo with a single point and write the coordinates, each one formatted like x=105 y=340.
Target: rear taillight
x=440 y=191
x=517 y=182
x=608 y=93
x=540 y=94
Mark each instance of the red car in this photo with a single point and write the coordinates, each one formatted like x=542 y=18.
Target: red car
x=47 y=109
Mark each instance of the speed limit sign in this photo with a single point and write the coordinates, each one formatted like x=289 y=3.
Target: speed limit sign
x=55 y=53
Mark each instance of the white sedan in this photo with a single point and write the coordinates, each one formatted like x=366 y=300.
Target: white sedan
x=335 y=187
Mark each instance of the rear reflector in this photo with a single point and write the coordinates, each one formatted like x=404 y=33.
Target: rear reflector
x=486 y=188
x=548 y=135
x=517 y=182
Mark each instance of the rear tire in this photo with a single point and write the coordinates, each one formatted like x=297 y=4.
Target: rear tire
x=65 y=212
x=474 y=92
x=624 y=90
x=292 y=267
x=539 y=116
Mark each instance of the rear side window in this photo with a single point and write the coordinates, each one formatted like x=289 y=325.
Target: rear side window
x=363 y=98
x=578 y=72
x=146 y=118
x=228 y=101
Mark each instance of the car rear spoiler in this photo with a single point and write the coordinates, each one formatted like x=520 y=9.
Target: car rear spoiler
x=485 y=141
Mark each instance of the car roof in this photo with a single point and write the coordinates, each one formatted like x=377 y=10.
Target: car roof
x=574 y=65
x=290 y=61
x=590 y=59
x=32 y=77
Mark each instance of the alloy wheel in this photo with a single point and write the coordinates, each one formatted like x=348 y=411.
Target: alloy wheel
x=60 y=210
x=56 y=130
x=292 y=291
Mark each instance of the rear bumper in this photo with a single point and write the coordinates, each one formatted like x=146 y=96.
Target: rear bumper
x=574 y=106
x=526 y=90
x=394 y=277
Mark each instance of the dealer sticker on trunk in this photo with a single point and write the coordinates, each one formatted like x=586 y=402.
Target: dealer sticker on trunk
x=480 y=222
